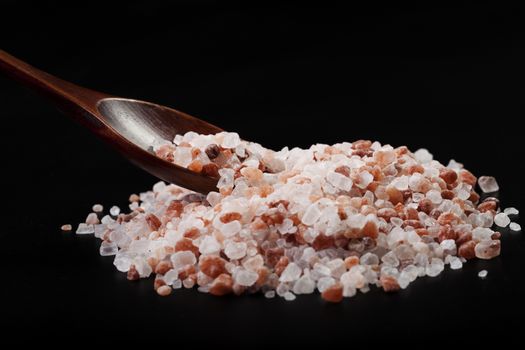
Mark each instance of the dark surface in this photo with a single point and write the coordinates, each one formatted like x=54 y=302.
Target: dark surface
x=449 y=79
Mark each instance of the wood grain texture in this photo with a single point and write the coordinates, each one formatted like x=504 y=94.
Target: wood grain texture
x=130 y=126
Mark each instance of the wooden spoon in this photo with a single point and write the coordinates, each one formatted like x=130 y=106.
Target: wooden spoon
x=128 y=125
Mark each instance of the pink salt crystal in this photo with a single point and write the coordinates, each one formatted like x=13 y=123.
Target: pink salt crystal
x=66 y=227
x=487 y=249
x=92 y=219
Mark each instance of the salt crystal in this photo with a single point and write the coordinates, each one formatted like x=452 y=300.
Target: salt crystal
x=98 y=208
x=435 y=267
x=304 y=285
x=482 y=274
x=482 y=233
x=114 y=211
x=92 y=219
x=339 y=181
x=231 y=140
x=435 y=196
x=400 y=183
x=182 y=156
x=269 y=294
x=235 y=250
x=487 y=249
x=209 y=245
x=231 y=228
x=423 y=155
x=246 y=278
x=488 y=184
x=182 y=259
x=515 y=226
x=66 y=227
x=84 y=229
x=108 y=248
x=369 y=259
x=324 y=283
x=511 y=211
x=171 y=276
x=188 y=283
x=311 y=215
x=365 y=178
x=502 y=220
x=177 y=284
x=288 y=296
x=291 y=273
x=455 y=263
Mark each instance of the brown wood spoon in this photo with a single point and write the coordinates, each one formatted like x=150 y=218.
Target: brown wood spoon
x=128 y=125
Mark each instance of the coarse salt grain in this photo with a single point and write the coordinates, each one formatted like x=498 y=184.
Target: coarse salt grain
x=66 y=227
x=515 y=226
x=482 y=274
x=488 y=184
x=98 y=208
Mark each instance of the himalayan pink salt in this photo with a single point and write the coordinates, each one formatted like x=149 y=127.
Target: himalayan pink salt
x=336 y=220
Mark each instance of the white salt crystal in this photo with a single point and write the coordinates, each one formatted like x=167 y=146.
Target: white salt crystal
x=435 y=267
x=182 y=156
x=269 y=294
x=435 y=196
x=289 y=296
x=452 y=164
x=455 y=263
x=231 y=228
x=511 y=211
x=400 y=183
x=84 y=229
x=311 y=215
x=449 y=246
x=98 y=208
x=171 y=276
x=177 y=284
x=365 y=178
x=114 y=210
x=182 y=259
x=213 y=198
x=482 y=233
x=231 y=140
x=423 y=155
x=324 y=283
x=107 y=219
x=482 y=274
x=227 y=177
x=369 y=259
x=108 y=248
x=488 y=184
x=515 y=226
x=304 y=285
x=235 y=250
x=142 y=267
x=339 y=181
x=502 y=220
x=246 y=278
x=209 y=245
x=291 y=273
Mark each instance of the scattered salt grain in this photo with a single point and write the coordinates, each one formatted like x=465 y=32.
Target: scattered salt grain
x=66 y=227
x=92 y=219
x=269 y=294
x=98 y=208
x=482 y=274
x=488 y=184
x=108 y=248
x=502 y=220
x=289 y=296
x=114 y=211
x=84 y=229
x=515 y=226
x=511 y=211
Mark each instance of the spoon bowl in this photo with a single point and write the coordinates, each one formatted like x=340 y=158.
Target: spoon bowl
x=130 y=126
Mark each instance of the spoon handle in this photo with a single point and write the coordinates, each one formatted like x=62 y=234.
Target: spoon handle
x=70 y=98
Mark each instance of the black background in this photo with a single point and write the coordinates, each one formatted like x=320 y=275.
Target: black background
x=450 y=79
